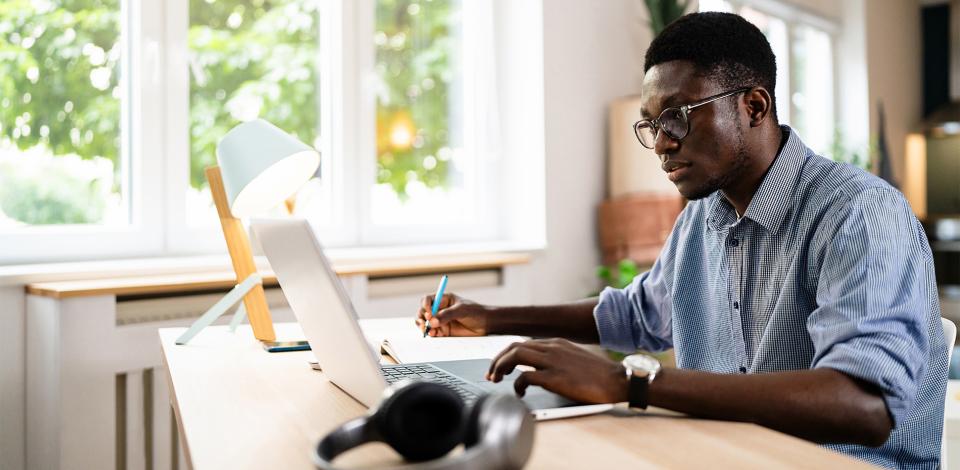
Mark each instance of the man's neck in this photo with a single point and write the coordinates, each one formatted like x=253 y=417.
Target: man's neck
x=759 y=161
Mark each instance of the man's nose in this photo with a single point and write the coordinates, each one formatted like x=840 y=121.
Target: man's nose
x=664 y=145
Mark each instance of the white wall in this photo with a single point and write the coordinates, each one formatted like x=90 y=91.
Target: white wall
x=593 y=53
x=894 y=72
x=12 y=385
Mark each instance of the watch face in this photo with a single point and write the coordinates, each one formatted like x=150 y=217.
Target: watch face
x=642 y=362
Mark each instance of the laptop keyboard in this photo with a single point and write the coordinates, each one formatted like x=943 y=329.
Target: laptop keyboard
x=429 y=373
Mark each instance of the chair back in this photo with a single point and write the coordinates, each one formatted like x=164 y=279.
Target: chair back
x=950 y=335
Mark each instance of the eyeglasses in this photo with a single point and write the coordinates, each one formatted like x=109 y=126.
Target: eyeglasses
x=674 y=122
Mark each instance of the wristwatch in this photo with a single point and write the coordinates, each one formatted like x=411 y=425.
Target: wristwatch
x=641 y=370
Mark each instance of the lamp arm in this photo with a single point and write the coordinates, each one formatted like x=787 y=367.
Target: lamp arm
x=241 y=256
x=238 y=316
x=229 y=300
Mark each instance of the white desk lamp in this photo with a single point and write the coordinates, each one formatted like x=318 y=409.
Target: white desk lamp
x=260 y=166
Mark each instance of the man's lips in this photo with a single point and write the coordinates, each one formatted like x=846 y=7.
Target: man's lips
x=671 y=166
x=675 y=170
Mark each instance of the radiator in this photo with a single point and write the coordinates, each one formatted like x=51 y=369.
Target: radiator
x=146 y=433
x=97 y=391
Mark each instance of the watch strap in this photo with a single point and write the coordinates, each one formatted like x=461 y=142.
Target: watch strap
x=637 y=392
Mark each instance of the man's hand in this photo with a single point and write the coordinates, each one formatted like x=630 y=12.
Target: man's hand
x=563 y=368
x=455 y=317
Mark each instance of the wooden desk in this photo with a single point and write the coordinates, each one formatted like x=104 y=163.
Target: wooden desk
x=240 y=407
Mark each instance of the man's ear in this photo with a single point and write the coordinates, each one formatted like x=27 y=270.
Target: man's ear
x=759 y=105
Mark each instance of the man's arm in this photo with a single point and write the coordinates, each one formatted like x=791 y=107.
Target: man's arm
x=461 y=317
x=573 y=320
x=821 y=405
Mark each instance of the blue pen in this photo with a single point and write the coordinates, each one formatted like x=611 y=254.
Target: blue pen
x=436 y=303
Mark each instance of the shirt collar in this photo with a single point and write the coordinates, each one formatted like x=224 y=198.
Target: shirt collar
x=774 y=198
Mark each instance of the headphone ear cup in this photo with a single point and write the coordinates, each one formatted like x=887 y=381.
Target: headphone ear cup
x=472 y=431
x=421 y=420
x=503 y=428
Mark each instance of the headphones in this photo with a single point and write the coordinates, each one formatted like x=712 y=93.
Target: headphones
x=423 y=421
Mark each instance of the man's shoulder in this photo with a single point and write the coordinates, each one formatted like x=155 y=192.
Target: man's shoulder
x=838 y=197
x=825 y=184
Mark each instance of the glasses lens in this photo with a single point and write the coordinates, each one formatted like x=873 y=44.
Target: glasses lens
x=645 y=133
x=674 y=123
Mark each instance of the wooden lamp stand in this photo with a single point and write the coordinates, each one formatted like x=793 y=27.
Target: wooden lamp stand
x=255 y=301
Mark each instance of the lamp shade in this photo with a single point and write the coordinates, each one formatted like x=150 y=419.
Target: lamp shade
x=262 y=165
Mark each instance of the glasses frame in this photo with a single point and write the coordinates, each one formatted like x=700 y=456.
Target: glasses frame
x=684 y=112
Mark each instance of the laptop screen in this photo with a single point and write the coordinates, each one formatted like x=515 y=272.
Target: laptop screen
x=321 y=306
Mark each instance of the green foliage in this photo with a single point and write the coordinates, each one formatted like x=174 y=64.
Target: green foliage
x=414 y=44
x=840 y=152
x=59 y=70
x=59 y=95
x=620 y=277
x=627 y=269
x=48 y=190
x=664 y=12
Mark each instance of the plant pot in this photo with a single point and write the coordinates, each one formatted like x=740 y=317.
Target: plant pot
x=635 y=226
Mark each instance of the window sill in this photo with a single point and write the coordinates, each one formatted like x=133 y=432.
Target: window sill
x=156 y=275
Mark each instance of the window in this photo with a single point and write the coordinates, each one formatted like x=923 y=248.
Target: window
x=432 y=165
x=73 y=179
x=805 y=74
x=108 y=118
x=260 y=58
x=417 y=104
x=62 y=159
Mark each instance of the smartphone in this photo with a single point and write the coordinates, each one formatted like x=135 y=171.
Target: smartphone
x=283 y=346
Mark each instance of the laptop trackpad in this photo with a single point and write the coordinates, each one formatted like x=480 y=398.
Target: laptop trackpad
x=474 y=370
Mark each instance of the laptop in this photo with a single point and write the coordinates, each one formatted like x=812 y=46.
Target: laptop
x=329 y=321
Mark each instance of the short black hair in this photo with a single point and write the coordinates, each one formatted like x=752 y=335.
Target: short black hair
x=723 y=46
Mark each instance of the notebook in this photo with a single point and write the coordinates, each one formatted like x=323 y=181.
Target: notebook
x=414 y=348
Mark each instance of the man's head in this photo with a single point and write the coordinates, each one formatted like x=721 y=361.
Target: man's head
x=698 y=56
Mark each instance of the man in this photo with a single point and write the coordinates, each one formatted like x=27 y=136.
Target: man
x=798 y=292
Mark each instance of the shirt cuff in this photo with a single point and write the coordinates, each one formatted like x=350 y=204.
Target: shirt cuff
x=866 y=360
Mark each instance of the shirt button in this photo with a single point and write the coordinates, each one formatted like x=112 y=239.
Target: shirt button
x=743 y=370
x=736 y=305
x=734 y=242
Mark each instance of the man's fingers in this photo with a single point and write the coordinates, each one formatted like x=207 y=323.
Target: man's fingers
x=493 y=362
x=542 y=345
x=512 y=357
x=531 y=377
x=426 y=303
x=447 y=315
x=535 y=344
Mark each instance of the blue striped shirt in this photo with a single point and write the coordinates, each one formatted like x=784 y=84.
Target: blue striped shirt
x=828 y=267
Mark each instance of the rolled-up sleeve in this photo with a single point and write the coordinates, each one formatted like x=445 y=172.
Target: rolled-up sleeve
x=628 y=320
x=871 y=315
x=639 y=315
